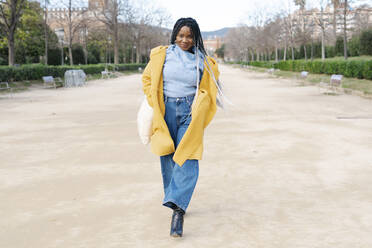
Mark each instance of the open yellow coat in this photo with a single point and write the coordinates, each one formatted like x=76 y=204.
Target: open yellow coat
x=203 y=110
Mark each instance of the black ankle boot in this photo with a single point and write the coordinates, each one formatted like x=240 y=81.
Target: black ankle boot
x=177 y=223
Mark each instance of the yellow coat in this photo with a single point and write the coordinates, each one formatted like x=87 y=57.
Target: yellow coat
x=203 y=110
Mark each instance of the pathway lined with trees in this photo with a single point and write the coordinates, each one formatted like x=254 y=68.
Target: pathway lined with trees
x=320 y=29
x=80 y=31
x=287 y=167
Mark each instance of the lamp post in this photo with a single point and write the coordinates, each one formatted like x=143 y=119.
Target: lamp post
x=60 y=32
x=133 y=52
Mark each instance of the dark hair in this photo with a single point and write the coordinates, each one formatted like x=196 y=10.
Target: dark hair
x=193 y=25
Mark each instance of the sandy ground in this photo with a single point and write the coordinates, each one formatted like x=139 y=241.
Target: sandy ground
x=280 y=169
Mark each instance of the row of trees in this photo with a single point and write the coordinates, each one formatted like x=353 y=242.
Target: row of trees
x=110 y=30
x=288 y=32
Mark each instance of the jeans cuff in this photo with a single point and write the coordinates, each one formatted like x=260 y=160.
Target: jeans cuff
x=173 y=204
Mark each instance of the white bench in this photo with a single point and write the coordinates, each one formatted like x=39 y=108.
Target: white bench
x=334 y=83
x=106 y=74
x=51 y=80
x=271 y=70
x=5 y=86
x=304 y=74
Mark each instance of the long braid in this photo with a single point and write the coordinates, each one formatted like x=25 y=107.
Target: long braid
x=193 y=25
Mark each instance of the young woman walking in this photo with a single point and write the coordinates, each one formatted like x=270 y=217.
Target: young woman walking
x=180 y=82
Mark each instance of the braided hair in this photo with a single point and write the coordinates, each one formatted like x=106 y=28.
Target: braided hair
x=194 y=27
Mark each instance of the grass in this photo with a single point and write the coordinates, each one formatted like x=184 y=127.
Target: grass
x=363 y=57
x=25 y=85
x=361 y=85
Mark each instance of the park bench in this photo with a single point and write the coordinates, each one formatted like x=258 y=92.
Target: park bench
x=52 y=81
x=334 y=83
x=5 y=86
x=304 y=74
x=106 y=74
x=271 y=70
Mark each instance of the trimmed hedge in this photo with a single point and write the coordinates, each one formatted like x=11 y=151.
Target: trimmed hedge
x=36 y=72
x=351 y=68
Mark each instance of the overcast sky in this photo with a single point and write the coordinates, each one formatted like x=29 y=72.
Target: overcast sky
x=215 y=14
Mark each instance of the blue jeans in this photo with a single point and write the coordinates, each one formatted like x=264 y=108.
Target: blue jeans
x=179 y=182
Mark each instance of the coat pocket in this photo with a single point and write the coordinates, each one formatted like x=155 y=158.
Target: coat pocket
x=202 y=102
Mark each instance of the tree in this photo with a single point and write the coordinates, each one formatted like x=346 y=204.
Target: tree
x=46 y=29
x=146 y=16
x=10 y=13
x=362 y=17
x=289 y=28
x=336 y=5
x=304 y=27
x=221 y=51
x=322 y=22
x=73 y=18
x=111 y=14
x=346 y=6
x=29 y=46
x=365 y=42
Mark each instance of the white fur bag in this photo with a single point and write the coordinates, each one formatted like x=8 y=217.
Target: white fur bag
x=144 y=121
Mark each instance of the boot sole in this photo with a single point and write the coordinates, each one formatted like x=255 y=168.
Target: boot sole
x=176 y=235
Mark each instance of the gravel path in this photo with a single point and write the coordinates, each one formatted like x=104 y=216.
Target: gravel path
x=280 y=169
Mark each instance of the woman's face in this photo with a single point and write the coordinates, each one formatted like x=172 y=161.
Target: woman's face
x=184 y=38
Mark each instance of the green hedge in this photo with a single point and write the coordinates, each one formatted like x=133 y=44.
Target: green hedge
x=351 y=68
x=36 y=72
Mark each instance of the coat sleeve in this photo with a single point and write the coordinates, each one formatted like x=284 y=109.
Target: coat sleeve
x=146 y=82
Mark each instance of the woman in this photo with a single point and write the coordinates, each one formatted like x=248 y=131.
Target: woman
x=180 y=84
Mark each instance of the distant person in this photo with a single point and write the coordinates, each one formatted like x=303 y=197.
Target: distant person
x=180 y=82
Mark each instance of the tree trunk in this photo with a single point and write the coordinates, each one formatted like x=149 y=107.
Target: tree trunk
x=345 y=36
x=11 y=26
x=11 y=54
x=85 y=46
x=276 y=53
x=70 y=32
x=305 y=52
x=285 y=50
x=312 y=49
x=323 y=50
x=62 y=55
x=292 y=51
x=138 y=55
x=70 y=54
x=85 y=54
x=46 y=31
x=116 y=43
x=258 y=56
x=322 y=34
x=335 y=22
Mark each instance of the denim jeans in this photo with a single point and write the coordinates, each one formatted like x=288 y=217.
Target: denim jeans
x=179 y=182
